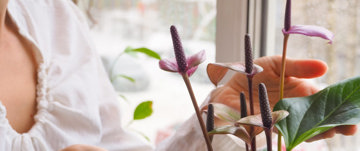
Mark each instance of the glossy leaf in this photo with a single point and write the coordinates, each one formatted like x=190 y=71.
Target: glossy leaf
x=217 y=71
x=239 y=132
x=143 y=110
x=146 y=51
x=335 y=105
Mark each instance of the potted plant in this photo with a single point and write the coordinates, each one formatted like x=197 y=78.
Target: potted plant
x=296 y=119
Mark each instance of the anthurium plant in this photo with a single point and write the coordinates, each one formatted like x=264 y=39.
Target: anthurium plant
x=296 y=119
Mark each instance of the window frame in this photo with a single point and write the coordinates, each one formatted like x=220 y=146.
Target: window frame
x=231 y=22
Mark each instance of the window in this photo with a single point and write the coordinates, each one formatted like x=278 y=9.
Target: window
x=341 y=17
x=266 y=22
x=342 y=57
x=117 y=24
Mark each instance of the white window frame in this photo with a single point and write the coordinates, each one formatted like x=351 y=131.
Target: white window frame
x=231 y=21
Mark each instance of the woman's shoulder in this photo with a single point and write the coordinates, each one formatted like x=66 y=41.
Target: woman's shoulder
x=50 y=23
x=46 y=10
x=56 y=27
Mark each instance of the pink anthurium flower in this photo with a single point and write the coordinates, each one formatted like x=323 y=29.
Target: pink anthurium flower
x=186 y=66
x=180 y=63
x=307 y=30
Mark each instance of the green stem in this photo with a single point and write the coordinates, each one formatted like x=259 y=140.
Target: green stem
x=282 y=80
x=113 y=65
x=128 y=125
x=279 y=141
x=197 y=111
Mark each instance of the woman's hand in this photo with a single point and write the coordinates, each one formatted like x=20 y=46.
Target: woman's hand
x=295 y=86
x=80 y=147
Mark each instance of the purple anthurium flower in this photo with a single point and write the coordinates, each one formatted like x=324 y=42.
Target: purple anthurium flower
x=307 y=30
x=180 y=63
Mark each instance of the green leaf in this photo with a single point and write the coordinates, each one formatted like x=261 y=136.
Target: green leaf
x=123 y=97
x=239 y=132
x=143 y=110
x=333 y=106
x=146 y=51
x=123 y=76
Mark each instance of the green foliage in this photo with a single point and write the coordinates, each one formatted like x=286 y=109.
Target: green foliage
x=123 y=76
x=146 y=51
x=143 y=110
x=336 y=105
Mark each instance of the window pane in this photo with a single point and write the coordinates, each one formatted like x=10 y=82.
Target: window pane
x=118 y=24
x=343 y=56
x=340 y=17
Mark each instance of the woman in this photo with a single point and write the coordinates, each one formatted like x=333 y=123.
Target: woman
x=55 y=93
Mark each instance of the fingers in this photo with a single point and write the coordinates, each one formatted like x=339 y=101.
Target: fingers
x=305 y=68
x=346 y=129
x=328 y=134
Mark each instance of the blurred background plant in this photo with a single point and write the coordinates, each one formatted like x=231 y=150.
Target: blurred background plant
x=122 y=80
x=117 y=24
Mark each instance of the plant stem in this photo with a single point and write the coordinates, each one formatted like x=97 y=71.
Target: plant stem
x=243 y=113
x=268 y=133
x=111 y=70
x=283 y=63
x=279 y=141
x=250 y=95
x=197 y=111
x=282 y=80
x=253 y=141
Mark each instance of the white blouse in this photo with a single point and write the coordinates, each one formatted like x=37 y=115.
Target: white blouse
x=76 y=102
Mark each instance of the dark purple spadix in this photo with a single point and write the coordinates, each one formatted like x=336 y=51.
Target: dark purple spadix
x=210 y=118
x=248 y=55
x=264 y=106
x=287 y=22
x=243 y=105
x=179 y=52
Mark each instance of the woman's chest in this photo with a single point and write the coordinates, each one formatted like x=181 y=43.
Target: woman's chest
x=18 y=78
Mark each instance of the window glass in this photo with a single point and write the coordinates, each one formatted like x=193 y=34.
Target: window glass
x=343 y=56
x=340 y=17
x=118 y=24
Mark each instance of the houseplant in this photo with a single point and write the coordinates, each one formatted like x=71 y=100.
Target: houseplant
x=304 y=117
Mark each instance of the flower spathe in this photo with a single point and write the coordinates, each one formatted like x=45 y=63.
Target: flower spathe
x=192 y=63
x=181 y=63
x=310 y=30
x=307 y=30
